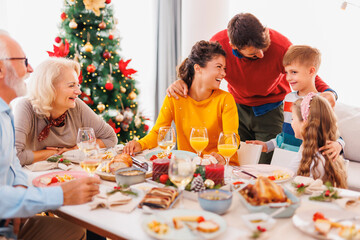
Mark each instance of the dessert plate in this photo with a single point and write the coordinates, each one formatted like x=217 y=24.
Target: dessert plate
x=184 y=232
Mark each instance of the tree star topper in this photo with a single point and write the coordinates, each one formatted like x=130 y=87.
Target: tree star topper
x=94 y=5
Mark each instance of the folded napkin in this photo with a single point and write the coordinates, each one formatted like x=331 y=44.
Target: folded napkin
x=313 y=186
x=348 y=202
x=45 y=165
x=116 y=202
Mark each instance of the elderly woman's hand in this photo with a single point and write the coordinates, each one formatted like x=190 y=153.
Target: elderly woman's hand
x=132 y=147
x=61 y=150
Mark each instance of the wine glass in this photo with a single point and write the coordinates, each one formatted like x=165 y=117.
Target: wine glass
x=199 y=139
x=86 y=140
x=227 y=146
x=181 y=172
x=92 y=161
x=166 y=138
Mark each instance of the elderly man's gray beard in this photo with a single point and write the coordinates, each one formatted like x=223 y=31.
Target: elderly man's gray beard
x=14 y=82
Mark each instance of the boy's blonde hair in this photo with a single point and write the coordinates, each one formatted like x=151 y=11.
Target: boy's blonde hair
x=302 y=54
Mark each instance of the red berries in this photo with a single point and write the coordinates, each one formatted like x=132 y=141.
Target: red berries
x=163 y=178
x=54 y=180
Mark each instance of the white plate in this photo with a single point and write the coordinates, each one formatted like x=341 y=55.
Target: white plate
x=263 y=170
x=183 y=233
x=303 y=221
x=74 y=156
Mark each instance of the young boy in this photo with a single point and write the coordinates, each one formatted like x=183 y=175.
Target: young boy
x=301 y=65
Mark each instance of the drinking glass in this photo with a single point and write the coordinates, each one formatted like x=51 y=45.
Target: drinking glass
x=227 y=146
x=166 y=138
x=181 y=172
x=92 y=161
x=86 y=140
x=199 y=139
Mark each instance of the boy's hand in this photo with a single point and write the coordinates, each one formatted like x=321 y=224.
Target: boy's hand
x=257 y=142
x=332 y=149
x=178 y=87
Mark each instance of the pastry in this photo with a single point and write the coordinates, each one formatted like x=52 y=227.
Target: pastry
x=207 y=226
x=323 y=226
x=160 y=198
x=120 y=161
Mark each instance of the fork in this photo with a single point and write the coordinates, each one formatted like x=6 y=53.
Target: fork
x=194 y=231
x=355 y=218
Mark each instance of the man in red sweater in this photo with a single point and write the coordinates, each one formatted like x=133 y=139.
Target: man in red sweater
x=256 y=77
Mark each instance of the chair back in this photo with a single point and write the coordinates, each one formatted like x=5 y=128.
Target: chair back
x=249 y=153
x=282 y=157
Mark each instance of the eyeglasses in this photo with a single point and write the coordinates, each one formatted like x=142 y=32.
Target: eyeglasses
x=23 y=58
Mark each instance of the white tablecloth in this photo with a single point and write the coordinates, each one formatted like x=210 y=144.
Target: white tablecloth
x=129 y=225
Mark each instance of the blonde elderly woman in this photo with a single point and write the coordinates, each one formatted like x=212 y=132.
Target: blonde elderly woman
x=48 y=119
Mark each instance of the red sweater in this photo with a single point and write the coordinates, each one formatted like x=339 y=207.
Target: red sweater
x=261 y=81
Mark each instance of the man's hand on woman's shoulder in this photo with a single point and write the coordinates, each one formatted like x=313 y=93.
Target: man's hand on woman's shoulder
x=179 y=87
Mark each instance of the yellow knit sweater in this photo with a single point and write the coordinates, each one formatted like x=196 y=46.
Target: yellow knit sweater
x=217 y=113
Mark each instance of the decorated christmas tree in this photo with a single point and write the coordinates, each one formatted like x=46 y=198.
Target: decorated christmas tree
x=88 y=35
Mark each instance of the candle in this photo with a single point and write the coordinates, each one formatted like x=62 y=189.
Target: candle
x=160 y=167
x=215 y=172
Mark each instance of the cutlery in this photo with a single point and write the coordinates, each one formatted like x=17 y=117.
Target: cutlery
x=140 y=164
x=194 y=231
x=249 y=174
x=354 y=218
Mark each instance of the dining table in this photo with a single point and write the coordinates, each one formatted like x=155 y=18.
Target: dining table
x=119 y=225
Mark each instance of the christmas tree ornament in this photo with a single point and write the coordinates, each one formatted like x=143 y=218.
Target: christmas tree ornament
x=61 y=51
x=58 y=39
x=111 y=37
x=106 y=54
x=116 y=21
x=91 y=68
x=122 y=89
x=132 y=95
x=109 y=86
x=73 y=24
x=128 y=115
x=102 y=25
x=123 y=68
x=119 y=117
x=137 y=121
x=209 y=183
x=100 y=107
x=146 y=127
x=63 y=16
x=197 y=184
x=94 y=5
x=107 y=1
x=125 y=126
x=88 y=47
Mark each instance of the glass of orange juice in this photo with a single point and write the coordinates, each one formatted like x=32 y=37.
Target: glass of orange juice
x=199 y=139
x=227 y=146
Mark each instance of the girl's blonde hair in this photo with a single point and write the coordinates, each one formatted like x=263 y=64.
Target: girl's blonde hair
x=41 y=90
x=321 y=126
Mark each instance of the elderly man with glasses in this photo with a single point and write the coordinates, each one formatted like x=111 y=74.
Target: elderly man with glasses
x=17 y=199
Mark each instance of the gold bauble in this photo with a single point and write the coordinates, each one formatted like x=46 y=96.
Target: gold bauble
x=101 y=107
x=88 y=47
x=132 y=95
x=122 y=89
x=73 y=24
x=119 y=117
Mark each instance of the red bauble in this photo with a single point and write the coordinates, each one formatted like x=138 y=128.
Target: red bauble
x=111 y=37
x=58 y=39
x=63 y=16
x=106 y=54
x=108 y=1
x=91 y=68
x=109 y=86
x=146 y=127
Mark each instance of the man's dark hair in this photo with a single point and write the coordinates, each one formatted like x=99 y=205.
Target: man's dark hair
x=245 y=30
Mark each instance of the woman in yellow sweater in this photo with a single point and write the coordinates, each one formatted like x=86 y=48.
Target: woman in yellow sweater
x=206 y=105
